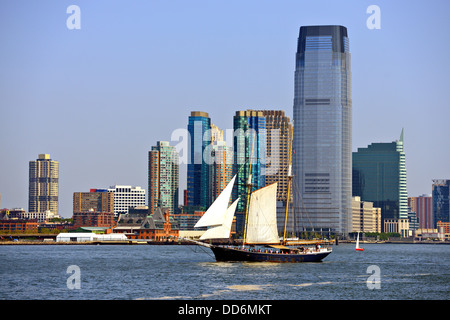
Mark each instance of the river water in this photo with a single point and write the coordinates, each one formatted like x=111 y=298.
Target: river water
x=134 y=272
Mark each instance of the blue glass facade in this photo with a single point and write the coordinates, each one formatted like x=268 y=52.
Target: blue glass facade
x=249 y=135
x=322 y=138
x=441 y=201
x=379 y=176
x=198 y=171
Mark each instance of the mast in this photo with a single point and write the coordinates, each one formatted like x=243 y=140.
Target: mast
x=249 y=190
x=289 y=185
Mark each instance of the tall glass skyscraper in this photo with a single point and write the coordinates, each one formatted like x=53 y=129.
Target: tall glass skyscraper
x=198 y=171
x=322 y=143
x=249 y=147
x=163 y=177
x=379 y=176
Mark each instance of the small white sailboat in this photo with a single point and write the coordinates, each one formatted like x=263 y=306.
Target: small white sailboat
x=357 y=244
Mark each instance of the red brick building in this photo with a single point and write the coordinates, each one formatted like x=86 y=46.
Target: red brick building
x=93 y=219
x=18 y=225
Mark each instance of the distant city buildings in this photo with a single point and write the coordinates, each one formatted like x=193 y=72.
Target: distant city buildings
x=163 y=177
x=43 y=184
x=379 y=176
x=322 y=142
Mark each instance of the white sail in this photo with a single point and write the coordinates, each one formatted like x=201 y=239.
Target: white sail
x=222 y=231
x=262 y=216
x=357 y=242
x=215 y=214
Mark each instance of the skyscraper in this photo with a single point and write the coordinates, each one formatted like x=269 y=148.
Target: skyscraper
x=441 y=201
x=198 y=171
x=249 y=147
x=278 y=136
x=379 y=176
x=163 y=177
x=43 y=185
x=323 y=130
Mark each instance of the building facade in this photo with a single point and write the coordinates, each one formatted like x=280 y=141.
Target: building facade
x=365 y=217
x=221 y=165
x=92 y=218
x=423 y=207
x=441 y=203
x=97 y=200
x=198 y=171
x=163 y=177
x=249 y=148
x=126 y=197
x=322 y=138
x=379 y=176
x=43 y=187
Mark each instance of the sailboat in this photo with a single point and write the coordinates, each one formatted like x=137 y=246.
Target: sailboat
x=261 y=242
x=357 y=244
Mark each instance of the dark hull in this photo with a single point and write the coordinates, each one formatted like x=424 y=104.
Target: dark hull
x=235 y=254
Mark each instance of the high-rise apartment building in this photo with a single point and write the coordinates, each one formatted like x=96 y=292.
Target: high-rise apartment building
x=43 y=185
x=249 y=147
x=379 y=176
x=322 y=139
x=278 y=136
x=101 y=201
x=126 y=197
x=163 y=177
x=441 y=201
x=222 y=167
x=198 y=171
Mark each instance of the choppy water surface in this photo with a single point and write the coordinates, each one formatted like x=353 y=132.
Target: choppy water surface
x=190 y=272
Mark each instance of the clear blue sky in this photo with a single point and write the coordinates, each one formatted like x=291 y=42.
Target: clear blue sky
x=98 y=98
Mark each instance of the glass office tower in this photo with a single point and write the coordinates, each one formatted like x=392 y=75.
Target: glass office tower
x=249 y=147
x=379 y=176
x=198 y=170
x=323 y=130
x=441 y=201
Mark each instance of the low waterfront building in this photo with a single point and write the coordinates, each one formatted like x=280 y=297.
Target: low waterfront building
x=39 y=216
x=88 y=237
x=400 y=226
x=18 y=225
x=92 y=218
x=158 y=226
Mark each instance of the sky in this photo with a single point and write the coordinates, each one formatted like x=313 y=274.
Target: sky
x=98 y=98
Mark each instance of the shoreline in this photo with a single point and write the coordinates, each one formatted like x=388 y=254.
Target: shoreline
x=171 y=243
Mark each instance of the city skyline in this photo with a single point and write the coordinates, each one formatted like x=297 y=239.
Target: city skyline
x=98 y=98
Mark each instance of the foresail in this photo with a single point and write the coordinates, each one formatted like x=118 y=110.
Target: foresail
x=222 y=231
x=262 y=216
x=215 y=214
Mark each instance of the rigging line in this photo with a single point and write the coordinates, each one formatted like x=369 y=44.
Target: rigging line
x=302 y=207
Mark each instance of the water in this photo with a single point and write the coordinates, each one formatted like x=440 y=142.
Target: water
x=190 y=272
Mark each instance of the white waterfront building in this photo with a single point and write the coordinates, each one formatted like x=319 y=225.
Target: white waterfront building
x=86 y=237
x=126 y=197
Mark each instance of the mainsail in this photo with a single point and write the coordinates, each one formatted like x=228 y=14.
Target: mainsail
x=262 y=216
x=222 y=231
x=215 y=215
